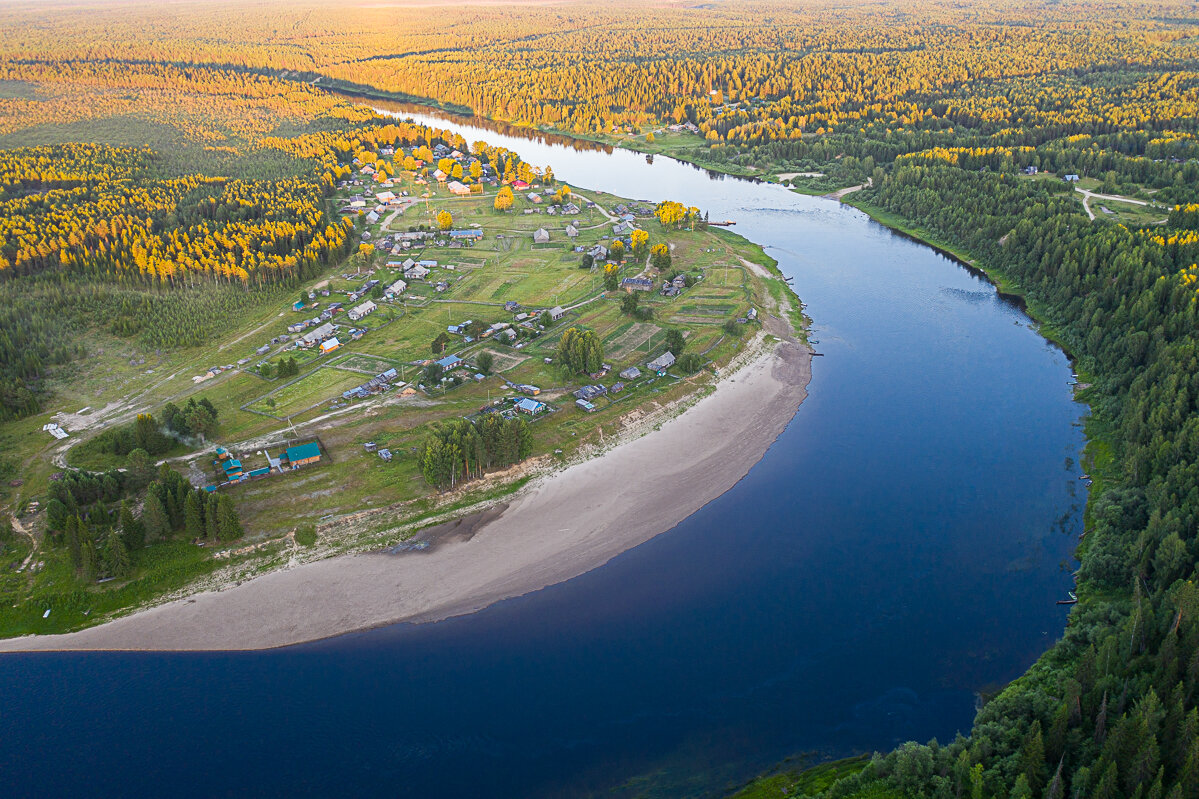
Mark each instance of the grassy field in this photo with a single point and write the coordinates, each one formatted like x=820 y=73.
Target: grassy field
x=123 y=379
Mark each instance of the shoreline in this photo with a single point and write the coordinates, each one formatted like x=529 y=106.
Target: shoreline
x=559 y=527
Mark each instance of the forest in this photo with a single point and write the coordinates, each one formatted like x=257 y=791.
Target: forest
x=960 y=121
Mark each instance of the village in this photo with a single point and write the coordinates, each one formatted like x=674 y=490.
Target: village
x=452 y=308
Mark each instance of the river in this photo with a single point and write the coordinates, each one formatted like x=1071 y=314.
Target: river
x=898 y=550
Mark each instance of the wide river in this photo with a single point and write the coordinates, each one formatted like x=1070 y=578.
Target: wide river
x=897 y=551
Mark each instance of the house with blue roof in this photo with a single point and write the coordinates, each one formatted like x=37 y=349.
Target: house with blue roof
x=530 y=406
x=450 y=362
x=302 y=455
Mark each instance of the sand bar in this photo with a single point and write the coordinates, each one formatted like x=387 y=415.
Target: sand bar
x=559 y=527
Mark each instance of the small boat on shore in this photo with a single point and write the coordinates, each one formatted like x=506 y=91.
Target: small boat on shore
x=1073 y=600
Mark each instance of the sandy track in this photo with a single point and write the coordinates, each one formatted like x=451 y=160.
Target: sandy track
x=557 y=528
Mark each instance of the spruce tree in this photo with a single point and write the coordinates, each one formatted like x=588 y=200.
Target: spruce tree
x=211 y=526
x=87 y=556
x=115 y=555
x=230 y=524
x=193 y=518
x=154 y=518
x=74 y=540
x=131 y=529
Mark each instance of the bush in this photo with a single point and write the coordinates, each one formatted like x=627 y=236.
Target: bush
x=306 y=535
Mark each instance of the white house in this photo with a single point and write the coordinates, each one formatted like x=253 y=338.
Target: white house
x=359 y=311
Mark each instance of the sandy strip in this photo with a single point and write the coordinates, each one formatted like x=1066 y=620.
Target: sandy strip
x=557 y=528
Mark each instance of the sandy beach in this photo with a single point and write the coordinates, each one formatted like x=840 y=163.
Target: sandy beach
x=558 y=527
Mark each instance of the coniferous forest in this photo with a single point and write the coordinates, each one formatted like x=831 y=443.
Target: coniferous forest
x=971 y=125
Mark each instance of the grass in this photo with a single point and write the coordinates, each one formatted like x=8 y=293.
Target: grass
x=486 y=275
x=812 y=781
x=311 y=389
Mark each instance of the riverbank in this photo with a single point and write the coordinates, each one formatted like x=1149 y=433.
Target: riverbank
x=562 y=525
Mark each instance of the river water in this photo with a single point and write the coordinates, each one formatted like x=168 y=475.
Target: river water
x=897 y=551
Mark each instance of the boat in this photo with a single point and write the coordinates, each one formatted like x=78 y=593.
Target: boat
x=1073 y=600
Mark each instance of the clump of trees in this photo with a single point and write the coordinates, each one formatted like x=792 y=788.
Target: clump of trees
x=463 y=449
x=659 y=256
x=580 y=350
x=504 y=199
x=156 y=437
x=92 y=516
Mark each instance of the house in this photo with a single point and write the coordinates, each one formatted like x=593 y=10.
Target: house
x=541 y=236
x=450 y=362
x=1071 y=178
x=359 y=311
x=372 y=217
x=297 y=306
x=417 y=272
x=530 y=406
x=302 y=455
x=572 y=231
x=330 y=345
x=471 y=233
x=370 y=446
x=661 y=363
x=679 y=282
x=632 y=373
x=534 y=198
x=585 y=405
x=598 y=253
x=520 y=185
x=631 y=284
x=557 y=312
x=456 y=187
x=621 y=228
x=233 y=469
x=396 y=289
x=441 y=176
x=264 y=349
x=317 y=335
x=385 y=454
x=511 y=305
x=442 y=286
x=1030 y=170
x=570 y=208
x=525 y=388
x=590 y=392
